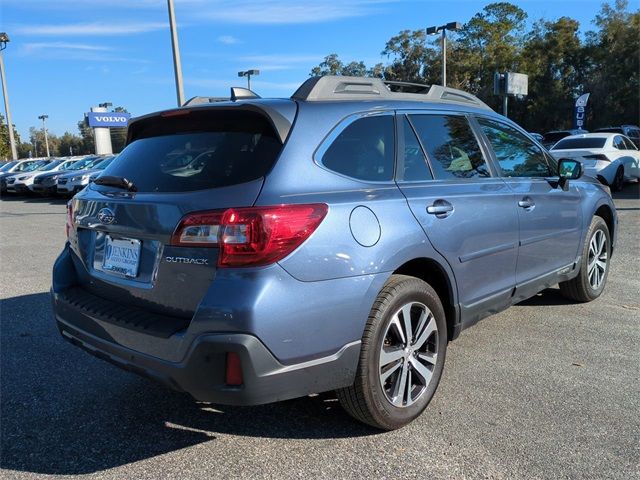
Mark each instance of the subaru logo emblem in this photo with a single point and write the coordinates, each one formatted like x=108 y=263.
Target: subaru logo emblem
x=106 y=216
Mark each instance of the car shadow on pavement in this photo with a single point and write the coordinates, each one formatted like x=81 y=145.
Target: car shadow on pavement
x=630 y=191
x=35 y=199
x=66 y=412
x=548 y=297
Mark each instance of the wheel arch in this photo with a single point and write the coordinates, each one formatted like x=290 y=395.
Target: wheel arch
x=433 y=273
x=606 y=213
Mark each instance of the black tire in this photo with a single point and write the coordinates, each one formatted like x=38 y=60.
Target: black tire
x=581 y=288
x=618 y=180
x=367 y=399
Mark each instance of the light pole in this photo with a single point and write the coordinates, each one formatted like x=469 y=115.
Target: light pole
x=248 y=73
x=44 y=129
x=453 y=26
x=177 y=67
x=4 y=39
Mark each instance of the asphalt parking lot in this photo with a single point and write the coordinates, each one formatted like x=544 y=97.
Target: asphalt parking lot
x=547 y=389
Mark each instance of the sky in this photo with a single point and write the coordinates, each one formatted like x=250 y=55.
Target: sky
x=68 y=55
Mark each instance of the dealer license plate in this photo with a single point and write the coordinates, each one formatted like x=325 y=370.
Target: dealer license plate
x=122 y=256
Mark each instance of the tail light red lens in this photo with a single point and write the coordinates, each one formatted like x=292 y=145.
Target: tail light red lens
x=597 y=157
x=253 y=236
x=69 y=222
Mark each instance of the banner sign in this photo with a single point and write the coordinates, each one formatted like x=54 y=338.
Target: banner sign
x=580 y=112
x=108 y=119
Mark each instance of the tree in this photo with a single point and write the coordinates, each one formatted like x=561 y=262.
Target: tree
x=86 y=133
x=410 y=57
x=553 y=58
x=490 y=42
x=118 y=134
x=332 y=65
x=70 y=144
x=614 y=66
x=5 y=145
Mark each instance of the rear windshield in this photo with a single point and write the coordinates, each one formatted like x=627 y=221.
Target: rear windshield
x=104 y=163
x=573 y=143
x=201 y=150
x=71 y=165
x=49 y=166
x=30 y=166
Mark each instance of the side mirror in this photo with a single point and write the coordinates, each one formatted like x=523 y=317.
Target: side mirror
x=569 y=169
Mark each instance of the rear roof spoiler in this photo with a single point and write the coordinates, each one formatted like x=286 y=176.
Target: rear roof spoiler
x=237 y=93
x=279 y=113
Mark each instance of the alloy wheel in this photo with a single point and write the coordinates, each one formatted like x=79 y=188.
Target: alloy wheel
x=597 y=260
x=408 y=354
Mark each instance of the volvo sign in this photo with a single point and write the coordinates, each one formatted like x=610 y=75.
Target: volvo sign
x=108 y=119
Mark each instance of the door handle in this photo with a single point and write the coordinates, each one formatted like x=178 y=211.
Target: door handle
x=527 y=203
x=440 y=208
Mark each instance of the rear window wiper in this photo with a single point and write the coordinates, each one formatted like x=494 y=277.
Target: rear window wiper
x=113 y=181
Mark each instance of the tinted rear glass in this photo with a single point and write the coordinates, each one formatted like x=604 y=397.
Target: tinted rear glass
x=571 y=143
x=50 y=166
x=201 y=150
x=30 y=166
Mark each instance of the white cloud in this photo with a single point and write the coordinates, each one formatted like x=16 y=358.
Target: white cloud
x=281 y=12
x=74 y=51
x=228 y=40
x=38 y=46
x=276 y=62
x=95 y=28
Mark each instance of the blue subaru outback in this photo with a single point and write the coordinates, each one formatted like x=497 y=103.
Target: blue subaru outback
x=252 y=250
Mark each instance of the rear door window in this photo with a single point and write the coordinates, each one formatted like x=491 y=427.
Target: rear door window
x=197 y=151
x=364 y=150
x=415 y=168
x=451 y=146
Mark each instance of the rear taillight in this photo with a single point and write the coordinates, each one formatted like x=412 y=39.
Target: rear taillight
x=598 y=156
x=253 y=236
x=69 y=222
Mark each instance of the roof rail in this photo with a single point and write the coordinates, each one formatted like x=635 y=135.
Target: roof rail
x=332 y=88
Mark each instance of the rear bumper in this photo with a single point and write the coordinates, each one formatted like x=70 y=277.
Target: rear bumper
x=202 y=372
x=287 y=348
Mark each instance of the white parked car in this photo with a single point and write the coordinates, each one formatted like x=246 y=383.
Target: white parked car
x=611 y=158
x=21 y=182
